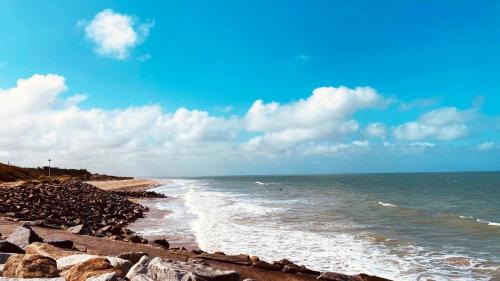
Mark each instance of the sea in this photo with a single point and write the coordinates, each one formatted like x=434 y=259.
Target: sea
x=416 y=226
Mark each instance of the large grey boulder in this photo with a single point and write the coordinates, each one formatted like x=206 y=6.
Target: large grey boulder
x=168 y=270
x=23 y=236
x=141 y=267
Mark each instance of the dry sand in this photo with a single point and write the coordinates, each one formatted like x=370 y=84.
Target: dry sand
x=127 y=185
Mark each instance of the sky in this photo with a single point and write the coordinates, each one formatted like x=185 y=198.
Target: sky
x=186 y=88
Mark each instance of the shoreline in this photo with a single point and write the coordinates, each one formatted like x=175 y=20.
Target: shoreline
x=105 y=245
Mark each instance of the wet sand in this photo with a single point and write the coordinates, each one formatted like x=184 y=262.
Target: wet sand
x=156 y=220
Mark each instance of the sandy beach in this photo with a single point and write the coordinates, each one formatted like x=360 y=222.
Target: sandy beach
x=127 y=185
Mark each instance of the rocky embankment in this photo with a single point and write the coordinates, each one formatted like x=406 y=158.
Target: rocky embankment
x=76 y=206
x=140 y=194
x=24 y=254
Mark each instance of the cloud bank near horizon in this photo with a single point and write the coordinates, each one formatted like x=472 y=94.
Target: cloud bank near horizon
x=146 y=140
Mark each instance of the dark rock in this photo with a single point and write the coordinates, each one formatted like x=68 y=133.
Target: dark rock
x=63 y=244
x=262 y=264
x=23 y=236
x=344 y=277
x=4 y=257
x=236 y=259
x=140 y=194
x=7 y=247
x=133 y=257
x=162 y=242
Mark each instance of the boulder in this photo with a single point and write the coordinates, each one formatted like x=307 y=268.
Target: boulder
x=236 y=259
x=162 y=243
x=81 y=229
x=30 y=266
x=91 y=268
x=161 y=269
x=7 y=247
x=48 y=250
x=133 y=257
x=67 y=262
x=122 y=264
x=23 y=236
x=141 y=267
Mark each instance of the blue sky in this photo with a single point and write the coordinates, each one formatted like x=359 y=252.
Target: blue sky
x=433 y=67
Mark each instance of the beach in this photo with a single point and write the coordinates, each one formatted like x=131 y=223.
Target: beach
x=106 y=233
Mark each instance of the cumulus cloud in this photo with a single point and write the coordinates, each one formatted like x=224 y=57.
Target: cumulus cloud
x=445 y=124
x=115 y=34
x=40 y=119
x=326 y=114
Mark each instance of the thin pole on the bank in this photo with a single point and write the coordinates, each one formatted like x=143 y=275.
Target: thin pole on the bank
x=49 y=166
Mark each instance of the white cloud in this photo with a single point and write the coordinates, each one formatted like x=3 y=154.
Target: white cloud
x=378 y=130
x=445 y=124
x=326 y=114
x=40 y=120
x=485 y=146
x=115 y=34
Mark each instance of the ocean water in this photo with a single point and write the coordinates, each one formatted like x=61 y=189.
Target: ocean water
x=436 y=226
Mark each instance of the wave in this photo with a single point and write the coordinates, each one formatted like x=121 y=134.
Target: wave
x=387 y=204
x=243 y=223
x=261 y=183
x=471 y=218
x=488 y=222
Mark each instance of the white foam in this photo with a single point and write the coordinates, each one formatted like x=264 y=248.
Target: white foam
x=387 y=204
x=488 y=222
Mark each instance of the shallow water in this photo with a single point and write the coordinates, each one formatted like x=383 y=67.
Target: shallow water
x=401 y=226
